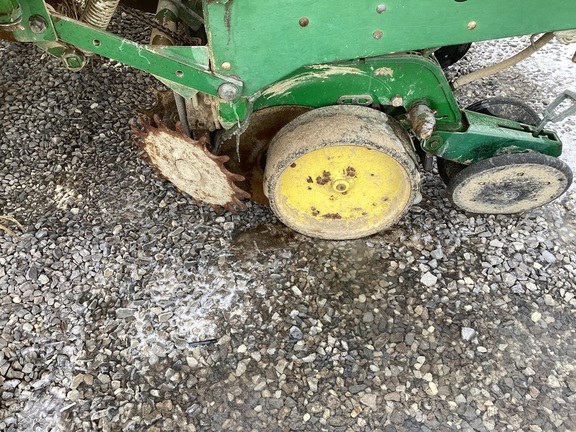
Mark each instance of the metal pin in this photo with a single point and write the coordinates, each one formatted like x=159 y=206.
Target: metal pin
x=202 y=343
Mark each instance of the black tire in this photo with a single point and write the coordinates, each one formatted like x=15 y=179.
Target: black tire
x=448 y=55
x=509 y=184
x=506 y=108
x=447 y=169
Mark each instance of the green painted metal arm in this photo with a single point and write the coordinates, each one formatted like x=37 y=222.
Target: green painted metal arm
x=486 y=136
x=187 y=66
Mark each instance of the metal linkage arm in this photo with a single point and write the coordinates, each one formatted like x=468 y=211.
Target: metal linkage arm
x=184 y=66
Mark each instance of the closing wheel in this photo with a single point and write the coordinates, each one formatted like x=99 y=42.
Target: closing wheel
x=510 y=183
x=341 y=172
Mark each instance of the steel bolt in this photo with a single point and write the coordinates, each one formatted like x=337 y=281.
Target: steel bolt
x=397 y=101
x=304 y=22
x=472 y=25
x=377 y=34
x=73 y=59
x=226 y=66
x=37 y=24
x=381 y=8
x=434 y=143
x=227 y=91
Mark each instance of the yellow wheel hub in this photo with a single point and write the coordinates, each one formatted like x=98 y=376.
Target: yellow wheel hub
x=349 y=176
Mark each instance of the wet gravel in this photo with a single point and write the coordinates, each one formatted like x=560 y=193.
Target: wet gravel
x=448 y=321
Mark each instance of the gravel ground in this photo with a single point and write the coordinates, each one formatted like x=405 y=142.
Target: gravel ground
x=446 y=322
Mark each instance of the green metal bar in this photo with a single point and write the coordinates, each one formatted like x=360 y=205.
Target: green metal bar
x=261 y=42
x=185 y=66
x=190 y=12
x=488 y=136
x=402 y=79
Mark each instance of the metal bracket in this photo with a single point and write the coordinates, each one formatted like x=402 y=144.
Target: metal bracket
x=362 y=100
x=551 y=114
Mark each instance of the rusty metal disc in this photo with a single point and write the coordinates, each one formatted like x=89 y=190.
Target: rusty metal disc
x=189 y=165
x=247 y=157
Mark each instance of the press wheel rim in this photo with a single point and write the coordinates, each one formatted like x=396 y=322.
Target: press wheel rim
x=322 y=185
x=510 y=184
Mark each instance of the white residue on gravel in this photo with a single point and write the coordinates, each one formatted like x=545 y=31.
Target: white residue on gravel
x=65 y=196
x=556 y=73
x=189 y=311
x=47 y=399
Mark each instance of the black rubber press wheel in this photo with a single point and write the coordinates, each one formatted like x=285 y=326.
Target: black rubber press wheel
x=506 y=108
x=448 y=55
x=510 y=183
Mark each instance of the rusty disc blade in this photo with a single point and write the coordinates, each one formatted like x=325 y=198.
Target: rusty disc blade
x=189 y=165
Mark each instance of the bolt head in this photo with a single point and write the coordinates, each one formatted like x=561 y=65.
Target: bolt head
x=472 y=25
x=434 y=143
x=73 y=59
x=226 y=66
x=397 y=101
x=37 y=24
x=227 y=91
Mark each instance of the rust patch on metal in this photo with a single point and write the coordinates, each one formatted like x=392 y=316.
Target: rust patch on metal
x=332 y=216
x=164 y=107
x=351 y=172
x=324 y=179
x=254 y=142
x=189 y=165
x=293 y=165
x=315 y=211
x=7 y=35
x=309 y=180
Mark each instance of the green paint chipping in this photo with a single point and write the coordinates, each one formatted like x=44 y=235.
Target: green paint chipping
x=488 y=136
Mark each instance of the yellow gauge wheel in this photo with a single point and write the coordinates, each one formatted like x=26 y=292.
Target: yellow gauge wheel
x=341 y=172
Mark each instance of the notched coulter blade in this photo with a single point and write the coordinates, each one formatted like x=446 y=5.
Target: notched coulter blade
x=189 y=165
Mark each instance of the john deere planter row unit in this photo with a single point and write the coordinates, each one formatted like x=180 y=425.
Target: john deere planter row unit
x=326 y=110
